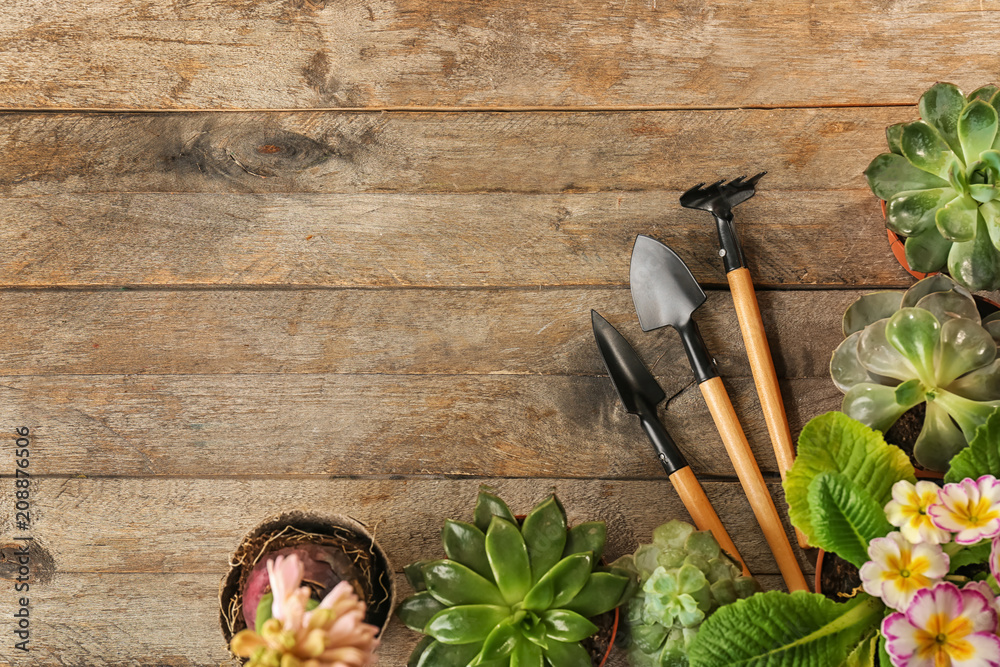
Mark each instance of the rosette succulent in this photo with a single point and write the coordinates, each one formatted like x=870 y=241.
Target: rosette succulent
x=684 y=577
x=940 y=182
x=512 y=593
x=930 y=345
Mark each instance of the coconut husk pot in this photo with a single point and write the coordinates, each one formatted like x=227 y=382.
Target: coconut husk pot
x=358 y=559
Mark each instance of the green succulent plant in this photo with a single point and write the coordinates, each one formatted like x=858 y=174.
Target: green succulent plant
x=940 y=182
x=684 y=576
x=511 y=593
x=930 y=345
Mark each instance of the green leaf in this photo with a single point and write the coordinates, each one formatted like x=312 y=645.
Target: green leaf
x=508 y=558
x=984 y=93
x=977 y=553
x=415 y=574
x=928 y=251
x=893 y=136
x=489 y=505
x=977 y=128
x=956 y=220
x=950 y=305
x=844 y=517
x=439 y=654
x=466 y=544
x=544 y=532
x=834 y=442
x=782 y=630
x=563 y=654
x=939 y=439
x=466 y=623
x=914 y=333
x=982 y=457
x=875 y=405
x=982 y=384
x=941 y=106
x=452 y=583
x=969 y=415
x=845 y=367
x=864 y=653
x=589 y=536
x=418 y=651
x=566 y=626
x=912 y=212
x=880 y=356
x=965 y=346
x=870 y=308
x=526 y=654
x=930 y=285
x=602 y=592
x=417 y=610
x=925 y=150
x=500 y=644
x=264 y=610
x=991 y=218
x=889 y=174
x=976 y=264
x=561 y=583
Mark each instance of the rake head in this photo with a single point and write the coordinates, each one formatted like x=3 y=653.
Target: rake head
x=720 y=197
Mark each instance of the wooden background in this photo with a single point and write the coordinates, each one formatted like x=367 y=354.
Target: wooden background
x=340 y=256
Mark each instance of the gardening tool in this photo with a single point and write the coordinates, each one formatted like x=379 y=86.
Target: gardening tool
x=666 y=294
x=640 y=394
x=719 y=199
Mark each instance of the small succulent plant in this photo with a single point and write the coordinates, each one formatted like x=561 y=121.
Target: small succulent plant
x=684 y=576
x=941 y=182
x=930 y=345
x=512 y=593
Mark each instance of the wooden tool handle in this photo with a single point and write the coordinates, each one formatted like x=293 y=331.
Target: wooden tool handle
x=753 y=482
x=762 y=367
x=702 y=512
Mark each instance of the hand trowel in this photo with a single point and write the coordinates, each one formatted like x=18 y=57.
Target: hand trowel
x=666 y=294
x=640 y=393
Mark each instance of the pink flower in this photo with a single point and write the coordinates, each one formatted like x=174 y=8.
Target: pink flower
x=943 y=627
x=971 y=509
x=333 y=634
x=898 y=569
x=995 y=558
x=908 y=511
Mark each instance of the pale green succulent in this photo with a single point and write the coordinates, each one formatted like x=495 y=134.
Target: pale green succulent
x=927 y=344
x=941 y=182
x=685 y=577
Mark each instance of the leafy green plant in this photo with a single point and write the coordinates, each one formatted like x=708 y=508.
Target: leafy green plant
x=982 y=457
x=940 y=180
x=925 y=345
x=510 y=593
x=841 y=481
x=684 y=577
x=787 y=630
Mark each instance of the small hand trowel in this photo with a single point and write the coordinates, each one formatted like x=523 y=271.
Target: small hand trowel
x=640 y=394
x=666 y=294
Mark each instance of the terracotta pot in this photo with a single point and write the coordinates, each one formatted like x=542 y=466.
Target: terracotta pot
x=375 y=575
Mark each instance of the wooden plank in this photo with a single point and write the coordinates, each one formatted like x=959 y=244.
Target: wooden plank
x=323 y=424
x=191 y=525
x=171 y=620
x=303 y=54
x=390 y=331
x=350 y=152
x=791 y=238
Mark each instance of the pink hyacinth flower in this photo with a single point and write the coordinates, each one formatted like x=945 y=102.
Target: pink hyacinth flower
x=944 y=627
x=970 y=509
x=898 y=569
x=908 y=511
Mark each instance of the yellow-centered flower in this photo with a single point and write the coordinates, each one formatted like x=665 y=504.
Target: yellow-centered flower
x=908 y=511
x=898 y=569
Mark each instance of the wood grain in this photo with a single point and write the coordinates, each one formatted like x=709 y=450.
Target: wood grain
x=530 y=153
x=385 y=53
x=189 y=525
x=356 y=424
x=791 y=238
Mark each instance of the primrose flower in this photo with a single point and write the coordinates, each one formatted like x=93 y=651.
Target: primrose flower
x=331 y=635
x=971 y=509
x=995 y=558
x=908 y=511
x=942 y=627
x=898 y=569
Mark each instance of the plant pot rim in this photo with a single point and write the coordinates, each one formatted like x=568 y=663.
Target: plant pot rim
x=306 y=522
